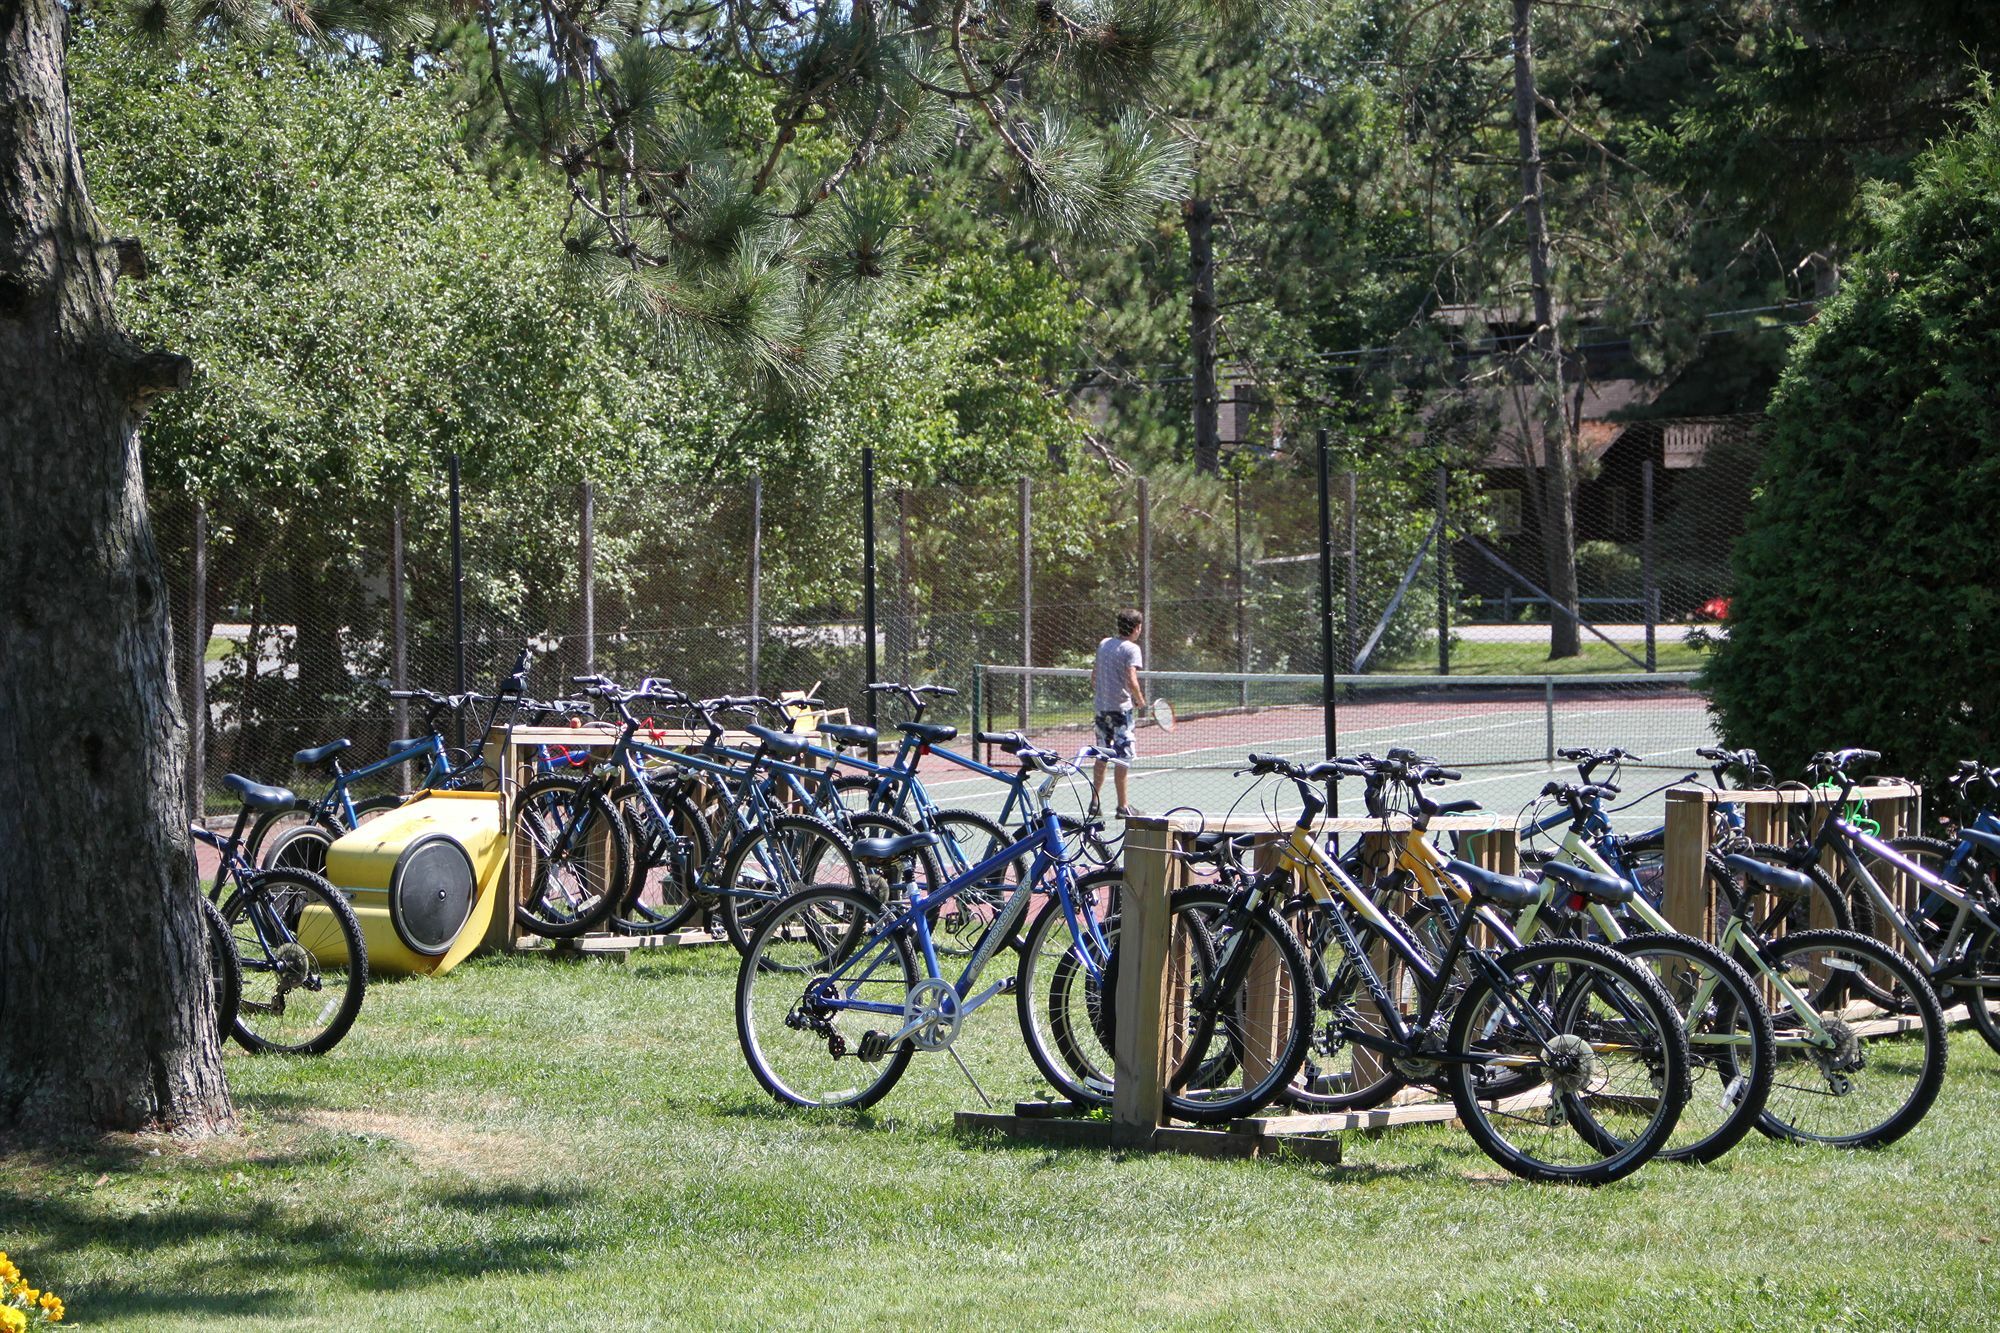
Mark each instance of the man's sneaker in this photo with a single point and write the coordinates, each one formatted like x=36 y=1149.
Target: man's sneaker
x=1127 y=811
x=1096 y=811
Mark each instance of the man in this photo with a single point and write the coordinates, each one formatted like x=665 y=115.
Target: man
x=1118 y=692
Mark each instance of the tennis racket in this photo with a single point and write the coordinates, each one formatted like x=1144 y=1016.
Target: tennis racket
x=1162 y=714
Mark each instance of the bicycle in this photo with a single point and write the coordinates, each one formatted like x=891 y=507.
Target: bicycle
x=1565 y=1060
x=302 y=960
x=300 y=836
x=867 y=961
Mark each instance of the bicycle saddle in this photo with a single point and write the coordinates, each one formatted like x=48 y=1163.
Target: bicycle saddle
x=780 y=743
x=844 y=734
x=1495 y=887
x=1981 y=838
x=930 y=733
x=256 y=796
x=319 y=754
x=892 y=849
x=407 y=744
x=1771 y=877
x=1608 y=889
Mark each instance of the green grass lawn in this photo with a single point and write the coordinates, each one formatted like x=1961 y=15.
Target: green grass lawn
x=1670 y=653
x=534 y=1144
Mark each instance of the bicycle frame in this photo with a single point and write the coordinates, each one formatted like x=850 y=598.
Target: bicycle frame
x=838 y=989
x=1845 y=838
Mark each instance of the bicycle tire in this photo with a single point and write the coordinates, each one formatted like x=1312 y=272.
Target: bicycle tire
x=300 y=814
x=791 y=868
x=789 y=1018
x=1980 y=949
x=225 y=968
x=1729 y=1084
x=574 y=879
x=1792 y=956
x=299 y=961
x=1264 y=1048
x=1663 y=1046
x=676 y=894
x=970 y=839
x=1066 y=1016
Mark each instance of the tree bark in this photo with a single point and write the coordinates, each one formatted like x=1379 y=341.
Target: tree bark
x=1557 y=466
x=1200 y=215
x=105 y=1021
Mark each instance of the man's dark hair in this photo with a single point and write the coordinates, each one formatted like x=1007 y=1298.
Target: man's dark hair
x=1128 y=620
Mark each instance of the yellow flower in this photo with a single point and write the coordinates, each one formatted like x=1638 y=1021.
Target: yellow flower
x=12 y=1320
x=50 y=1300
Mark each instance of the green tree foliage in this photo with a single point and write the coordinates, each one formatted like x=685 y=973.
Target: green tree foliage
x=1867 y=604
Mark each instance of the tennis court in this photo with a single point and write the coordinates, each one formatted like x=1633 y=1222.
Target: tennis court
x=1503 y=732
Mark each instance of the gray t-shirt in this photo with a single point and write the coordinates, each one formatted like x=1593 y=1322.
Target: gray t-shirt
x=1113 y=656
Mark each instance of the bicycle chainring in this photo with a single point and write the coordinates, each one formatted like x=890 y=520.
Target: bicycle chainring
x=932 y=1011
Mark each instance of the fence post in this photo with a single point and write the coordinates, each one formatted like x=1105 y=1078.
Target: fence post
x=399 y=630
x=457 y=602
x=1026 y=513
x=906 y=605
x=756 y=577
x=587 y=569
x=1648 y=594
x=197 y=774
x=1353 y=571
x=1242 y=609
x=1549 y=714
x=869 y=664
x=1146 y=574
x=1329 y=705
x=1441 y=566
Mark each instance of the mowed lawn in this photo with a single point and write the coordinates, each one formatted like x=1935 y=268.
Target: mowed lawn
x=536 y=1144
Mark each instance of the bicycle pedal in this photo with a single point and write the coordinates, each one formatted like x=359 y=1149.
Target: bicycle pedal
x=874 y=1045
x=1007 y=985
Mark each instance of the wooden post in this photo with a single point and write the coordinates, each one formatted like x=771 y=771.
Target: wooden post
x=197 y=762
x=1026 y=514
x=586 y=559
x=1685 y=901
x=1139 y=1057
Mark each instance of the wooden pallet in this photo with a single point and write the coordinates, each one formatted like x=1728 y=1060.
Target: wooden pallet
x=1056 y=1122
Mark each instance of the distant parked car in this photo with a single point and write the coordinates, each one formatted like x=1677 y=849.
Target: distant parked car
x=1715 y=608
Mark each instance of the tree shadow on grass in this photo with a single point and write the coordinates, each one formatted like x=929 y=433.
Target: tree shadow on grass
x=441 y=1232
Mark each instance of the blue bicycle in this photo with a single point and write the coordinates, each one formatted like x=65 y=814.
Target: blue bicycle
x=839 y=990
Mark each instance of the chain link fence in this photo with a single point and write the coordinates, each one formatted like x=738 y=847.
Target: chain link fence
x=301 y=617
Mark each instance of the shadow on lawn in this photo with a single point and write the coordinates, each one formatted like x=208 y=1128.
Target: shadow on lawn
x=268 y=1250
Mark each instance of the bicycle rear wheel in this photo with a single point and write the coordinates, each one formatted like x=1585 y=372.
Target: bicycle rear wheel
x=1338 y=1074
x=304 y=962
x=810 y=959
x=1066 y=988
x=1606 y=1049
x=1873 y=1077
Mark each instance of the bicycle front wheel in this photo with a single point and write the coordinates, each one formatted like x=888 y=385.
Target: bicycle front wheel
x=225 y=968
x=1606 y=1052
x=303 y=959
x=817 y=992
x=1241 y=980
x=667 y=857
x=1731 y=1049
x=787 y=854
x=1857 y=1073
x=577 y=856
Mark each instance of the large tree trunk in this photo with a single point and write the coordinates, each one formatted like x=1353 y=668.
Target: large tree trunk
x=1201 y=332
x=1557 y=470
x=105 y=1020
